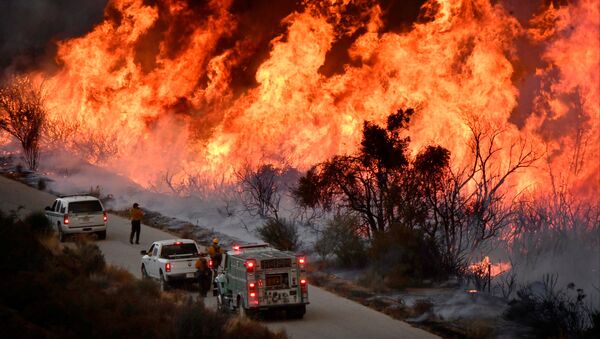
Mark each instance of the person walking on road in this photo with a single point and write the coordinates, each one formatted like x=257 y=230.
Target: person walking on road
x=135 y=215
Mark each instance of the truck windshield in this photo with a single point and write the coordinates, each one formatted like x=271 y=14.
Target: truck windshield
x=178 y=251
x=85 y=206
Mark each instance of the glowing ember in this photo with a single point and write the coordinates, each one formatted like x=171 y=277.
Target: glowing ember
x=159 y=82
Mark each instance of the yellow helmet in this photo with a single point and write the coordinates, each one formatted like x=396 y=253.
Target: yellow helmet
x=215 y=240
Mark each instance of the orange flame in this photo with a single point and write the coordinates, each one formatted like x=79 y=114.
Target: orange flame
x=481 y=268
x=165 y=97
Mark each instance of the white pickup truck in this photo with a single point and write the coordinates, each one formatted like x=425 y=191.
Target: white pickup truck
x=169 y=261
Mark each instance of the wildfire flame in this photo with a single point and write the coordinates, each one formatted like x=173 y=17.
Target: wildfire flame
x=481 y=268
x=157 y=82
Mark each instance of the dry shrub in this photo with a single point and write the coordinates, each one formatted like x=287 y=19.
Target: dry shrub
x=86 y=258
x=553 y=312
x=374 y=281
x=280 y=233
x=39 y=224
x=243 y=328
x=52 y=244
x=118 y=275
x=195 y=321
x=479 y=328
x=405 y=257
x=422 y=306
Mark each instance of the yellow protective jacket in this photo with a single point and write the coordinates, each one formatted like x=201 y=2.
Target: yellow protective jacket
x=201 y=264
x=214 y=250
x=136 y=214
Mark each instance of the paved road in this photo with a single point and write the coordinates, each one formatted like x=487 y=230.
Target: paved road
x=328 y=316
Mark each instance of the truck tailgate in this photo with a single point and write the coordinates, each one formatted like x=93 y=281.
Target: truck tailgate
x=86 y=219
x=186 y=265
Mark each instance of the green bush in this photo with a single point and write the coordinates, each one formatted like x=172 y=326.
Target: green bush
x=405 y=257
x=280 y=233
x=341 y=238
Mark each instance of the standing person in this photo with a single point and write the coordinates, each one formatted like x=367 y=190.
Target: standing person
x=204 y=275
x=136 y=215
x=216 y=254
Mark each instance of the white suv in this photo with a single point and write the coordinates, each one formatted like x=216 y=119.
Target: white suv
x=78 y=214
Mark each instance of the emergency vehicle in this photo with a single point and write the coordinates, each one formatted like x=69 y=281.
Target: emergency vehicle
x=257 y=278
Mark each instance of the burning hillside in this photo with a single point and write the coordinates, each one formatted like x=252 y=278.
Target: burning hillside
x=200 y=88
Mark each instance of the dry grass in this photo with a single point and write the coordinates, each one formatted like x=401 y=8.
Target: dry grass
x=118 y=275
x=479 y=328
x=237 y=327
x=52 y=244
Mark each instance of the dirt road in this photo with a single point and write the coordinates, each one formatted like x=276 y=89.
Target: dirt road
x=328 y=316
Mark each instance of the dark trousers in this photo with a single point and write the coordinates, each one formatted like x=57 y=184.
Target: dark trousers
x=204 y=280
x=135 y=229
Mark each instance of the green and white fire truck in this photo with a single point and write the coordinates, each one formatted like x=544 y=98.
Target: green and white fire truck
x=257 y=278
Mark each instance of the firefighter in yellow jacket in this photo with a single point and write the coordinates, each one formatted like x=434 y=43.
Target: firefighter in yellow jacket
x=216 y=254
x=135 y=215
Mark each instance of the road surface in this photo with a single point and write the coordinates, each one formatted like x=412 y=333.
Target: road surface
x=327 y=316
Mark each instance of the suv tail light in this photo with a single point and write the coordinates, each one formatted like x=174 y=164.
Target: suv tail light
x=105 y=217
x=250 y=265
x=66 y=219
x=168 y=267
x=210 y=263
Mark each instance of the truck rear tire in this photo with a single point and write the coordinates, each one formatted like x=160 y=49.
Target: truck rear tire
x=241 y=310
x=164 y=285
x=220 y=306
x=101 y=235
x=244 y=312
x=144 y=273
x=297 y=312
x=61 y=236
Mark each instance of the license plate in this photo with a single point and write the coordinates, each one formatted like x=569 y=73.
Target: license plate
x=189 y=275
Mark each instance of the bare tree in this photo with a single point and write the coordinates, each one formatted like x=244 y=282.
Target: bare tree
x=59 y=132
x=472 y=206
x=22 y=114
x=96 y=146
x=260 y=190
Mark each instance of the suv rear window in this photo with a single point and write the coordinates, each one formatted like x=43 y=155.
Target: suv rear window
x=85 y=206
x=178 y=251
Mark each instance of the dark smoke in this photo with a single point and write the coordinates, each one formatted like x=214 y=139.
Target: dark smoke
x=27 y=27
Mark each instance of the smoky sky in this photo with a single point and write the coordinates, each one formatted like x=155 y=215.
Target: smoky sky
x=27 y=27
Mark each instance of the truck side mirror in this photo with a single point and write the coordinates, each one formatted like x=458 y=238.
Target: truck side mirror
x=143 y=252
x=48 y=208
